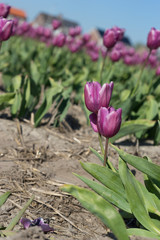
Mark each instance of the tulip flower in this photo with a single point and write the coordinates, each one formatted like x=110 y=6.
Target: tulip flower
x=153 y=39
x=74 y=31
x=4 y=10
x=59 y=40
x=37 y=222
x=112 y=36
x=109 y=121
x=97 y=96
x=5 y=29
x=56 y=24
x=115 y=55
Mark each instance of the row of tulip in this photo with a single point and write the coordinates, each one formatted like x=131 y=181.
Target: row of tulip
x=40 y=60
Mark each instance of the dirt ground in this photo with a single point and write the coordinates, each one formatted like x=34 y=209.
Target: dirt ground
x=39 y=160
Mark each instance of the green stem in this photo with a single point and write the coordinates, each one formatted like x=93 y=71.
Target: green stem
x=140 y=75
x=100 y=143
x=106 y=153
x=103 y=63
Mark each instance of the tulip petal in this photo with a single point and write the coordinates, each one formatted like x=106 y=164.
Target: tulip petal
x=36 y=222
x=25 y=222
x=46 y=228
x=93 y=121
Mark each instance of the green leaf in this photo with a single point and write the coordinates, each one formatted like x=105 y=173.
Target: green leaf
x=34 y=72
x=157 y=133
x=97 y=154
x=63 y=112
x=7 y=98
x=149 y=109
x=7 y=233
x=16 y=219
x=16 y=82
x=136 y=198
x=133 y=126
x=107 y=194
x=100 y=208
x=17 y=104
x=47 y=102
x=141 y=164
x=106 y=176
x=4 y=197
x=142 y=233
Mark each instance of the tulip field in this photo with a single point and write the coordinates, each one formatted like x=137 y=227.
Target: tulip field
x=80 y=133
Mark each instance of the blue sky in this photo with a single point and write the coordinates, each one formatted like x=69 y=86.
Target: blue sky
x=136 y=16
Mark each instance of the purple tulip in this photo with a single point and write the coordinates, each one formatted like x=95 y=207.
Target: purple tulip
x=59 y=40
x=47 y=32
x=119 y=31
x=97 y=96
x=86 y=37
x=56 y=24
x=112 y=36
x=94 y=55
x=75 y=31
x=37 y=222
x=6 y=27
x=4 y=10
x=153 y=40
x=115 y=55
x=109 y=121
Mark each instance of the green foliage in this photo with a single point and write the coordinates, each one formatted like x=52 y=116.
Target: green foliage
x=122 y=190
x=30 y=71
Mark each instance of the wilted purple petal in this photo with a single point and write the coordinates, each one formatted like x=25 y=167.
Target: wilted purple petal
x=36 y=222
x=46 y=228
x=25 y=222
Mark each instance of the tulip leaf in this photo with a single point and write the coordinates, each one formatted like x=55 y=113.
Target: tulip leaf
x=7 y=98
x=141 y=164
x=16 y=104
x=34 y=72
x=97 y=154
x=131 y=127
x=48 y=99
x=6 y=233
x=107 y=194
x=17 y=80
x=106 y=176
x=100 y=208
x=4 y=197
x=136 y=198
x=142 y=233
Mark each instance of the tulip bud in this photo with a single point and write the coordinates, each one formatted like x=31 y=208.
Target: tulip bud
x=97 y=96
x=4 y=10
x=120 y=32
x=115 y=55
x=110 y=38
x=56 y=24
x=5 y=29
x=153 y=40
x=109 y=121
x=59 y=40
